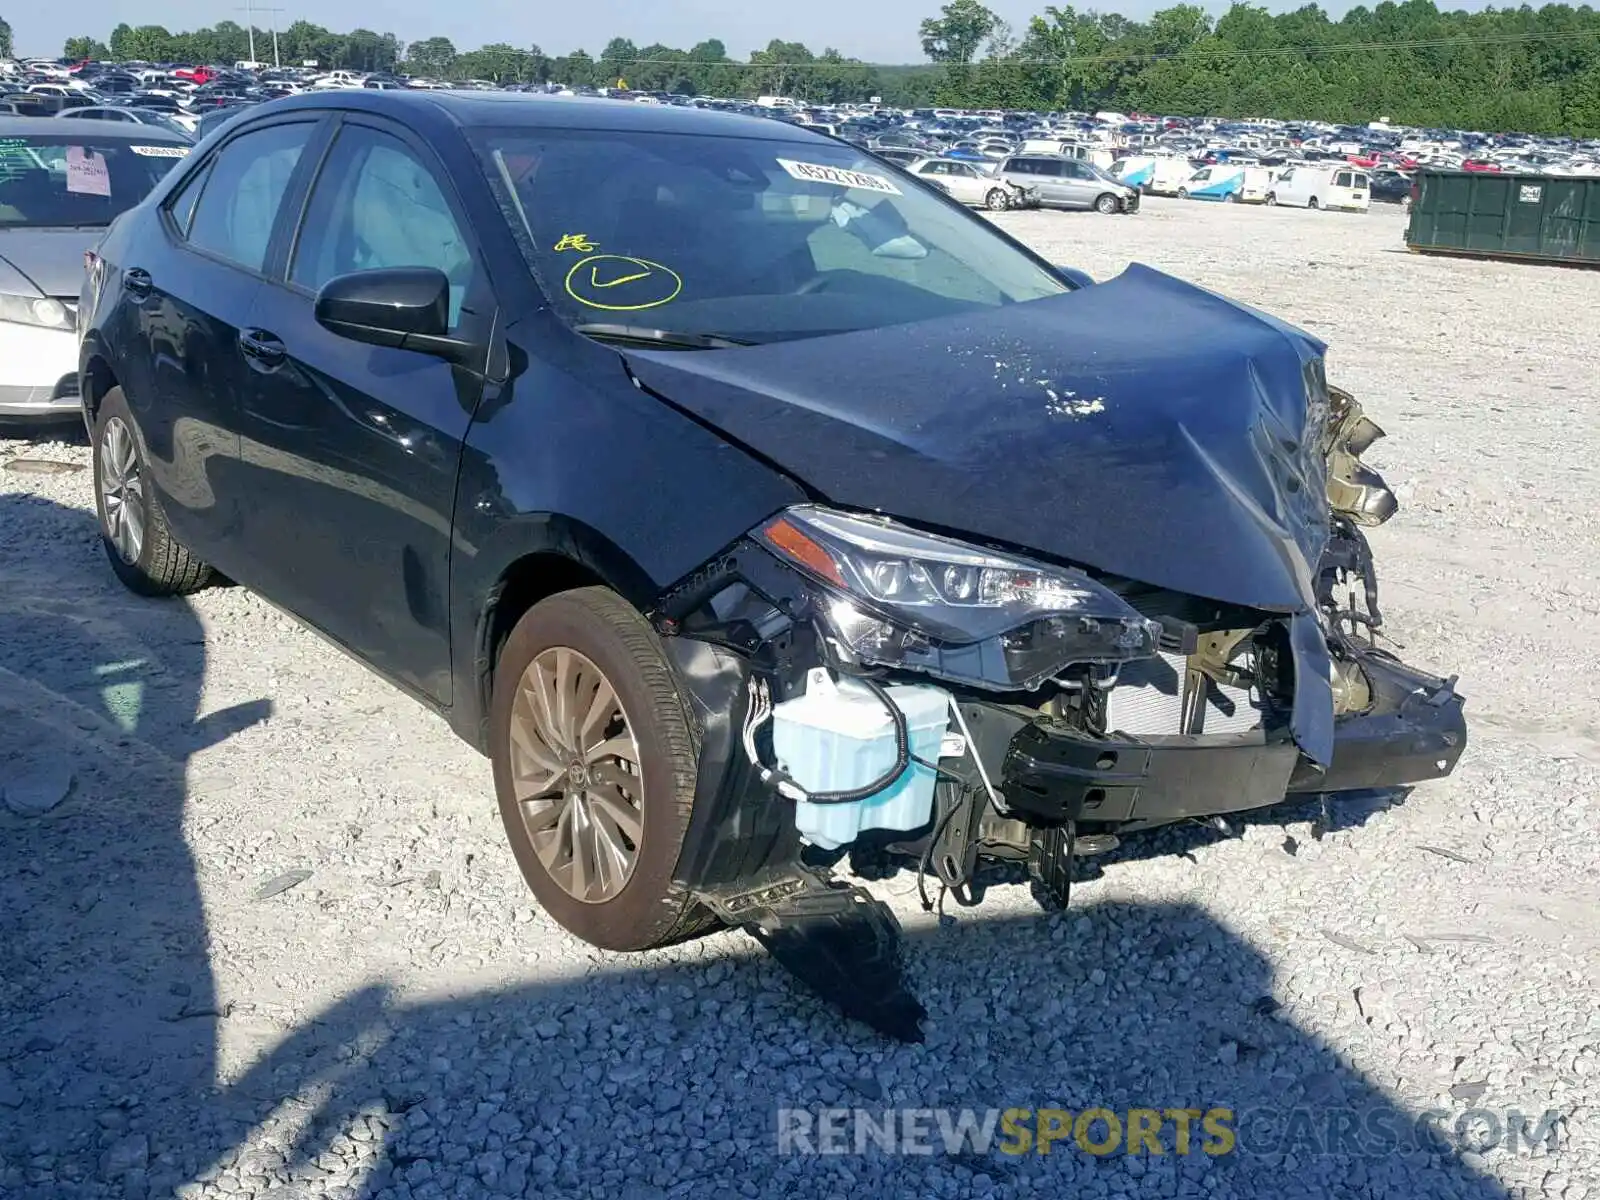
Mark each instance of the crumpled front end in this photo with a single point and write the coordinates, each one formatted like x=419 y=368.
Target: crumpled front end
x=905 y=695
x=1197 y=730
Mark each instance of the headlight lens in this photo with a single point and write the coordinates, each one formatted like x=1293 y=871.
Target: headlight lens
x=899 y=597
x=40 y=311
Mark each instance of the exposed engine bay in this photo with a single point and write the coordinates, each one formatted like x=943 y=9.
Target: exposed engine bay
x=914 y=702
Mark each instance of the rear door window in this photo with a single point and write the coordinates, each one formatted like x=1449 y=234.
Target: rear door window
x=182 y=205
x=1342 y=179
x=239 y=206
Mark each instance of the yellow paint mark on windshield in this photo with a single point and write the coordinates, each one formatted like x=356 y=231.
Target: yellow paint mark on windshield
x=594 y=278
x=622 y=283
x=575 y=241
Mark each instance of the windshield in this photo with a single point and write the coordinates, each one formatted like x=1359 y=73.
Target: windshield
x=745 y=238
x=62 y=179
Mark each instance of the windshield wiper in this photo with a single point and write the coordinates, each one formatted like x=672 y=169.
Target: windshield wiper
x=649 y=335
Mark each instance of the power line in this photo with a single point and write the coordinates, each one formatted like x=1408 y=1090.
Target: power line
x=1206 y=53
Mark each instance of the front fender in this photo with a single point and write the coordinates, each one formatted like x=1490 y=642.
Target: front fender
x=570 y=459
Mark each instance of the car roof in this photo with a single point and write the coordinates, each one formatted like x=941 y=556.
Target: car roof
x=532 y=110
x=107 y=131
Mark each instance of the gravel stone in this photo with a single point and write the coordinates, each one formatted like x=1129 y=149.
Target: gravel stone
x=128 y=1154
x=35 y=789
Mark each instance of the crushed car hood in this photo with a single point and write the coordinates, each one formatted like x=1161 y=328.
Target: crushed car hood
x=1143 y=427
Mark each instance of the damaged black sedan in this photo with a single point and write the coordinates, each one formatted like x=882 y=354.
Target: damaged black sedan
x=751 y=505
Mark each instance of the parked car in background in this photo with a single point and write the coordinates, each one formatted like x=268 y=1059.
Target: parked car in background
x=166 y=104
x=971 y=184
x=1069 y=183
x=61 y=184
x=128 y=115
x=213 y=119
x=1389 y=187
x=899 y=157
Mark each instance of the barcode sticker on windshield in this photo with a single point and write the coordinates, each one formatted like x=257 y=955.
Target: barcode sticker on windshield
x=161 y=151
x=817 y=173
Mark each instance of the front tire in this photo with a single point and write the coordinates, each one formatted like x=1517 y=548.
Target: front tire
x=594 y=770
x=1312 y=203
x=1272 y=199
x=133 y=525
x=1230 y=198
x=1105 y=204
x=1183 y=193
x=997 y=200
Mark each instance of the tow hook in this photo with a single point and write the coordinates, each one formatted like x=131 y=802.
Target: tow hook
x=834 y=938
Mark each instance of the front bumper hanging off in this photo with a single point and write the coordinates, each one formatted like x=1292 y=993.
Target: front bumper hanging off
x=1415 y=730
x=744 y=860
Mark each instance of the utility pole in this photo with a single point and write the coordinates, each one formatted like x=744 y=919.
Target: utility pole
x=273 y=18
x=250 y=9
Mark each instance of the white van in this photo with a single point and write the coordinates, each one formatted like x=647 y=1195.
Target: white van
x=1158 y=175
x=1319 y=186
x=1229 y=183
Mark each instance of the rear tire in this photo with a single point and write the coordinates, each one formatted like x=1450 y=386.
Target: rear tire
x=1272 y=199
x=1230 y=198
x=1183 y=193
x=133 y=525
x=1312 y=203
x=632 y=812
x=997 y=200
x=1105 y=204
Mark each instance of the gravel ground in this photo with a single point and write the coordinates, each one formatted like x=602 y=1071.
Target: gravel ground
x=184 y=1009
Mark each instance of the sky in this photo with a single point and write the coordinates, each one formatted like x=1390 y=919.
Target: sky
x=874 y=30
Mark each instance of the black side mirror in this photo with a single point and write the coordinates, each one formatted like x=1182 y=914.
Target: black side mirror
x=1077 y=278
x=407 y=308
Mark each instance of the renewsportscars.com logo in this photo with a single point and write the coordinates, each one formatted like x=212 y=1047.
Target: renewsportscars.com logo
x=1371 y=1132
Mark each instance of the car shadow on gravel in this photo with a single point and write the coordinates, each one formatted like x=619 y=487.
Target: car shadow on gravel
x=107 y=1007
x=668 y=1076
x=712 y=1077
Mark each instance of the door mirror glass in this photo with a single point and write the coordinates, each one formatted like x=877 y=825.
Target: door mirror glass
x=406 y=308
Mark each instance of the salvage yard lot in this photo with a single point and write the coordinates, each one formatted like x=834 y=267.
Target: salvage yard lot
x=178 y=1010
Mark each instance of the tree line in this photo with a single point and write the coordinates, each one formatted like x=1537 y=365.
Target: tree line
x=1528 y=70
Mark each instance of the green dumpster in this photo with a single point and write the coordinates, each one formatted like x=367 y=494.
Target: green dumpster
x=1540 y=218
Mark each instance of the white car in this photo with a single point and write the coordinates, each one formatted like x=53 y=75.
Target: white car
x=61 y=184
x=971 y=184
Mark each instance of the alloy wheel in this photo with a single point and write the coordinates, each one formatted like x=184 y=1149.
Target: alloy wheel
x=576 y=774
x=122 y=496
